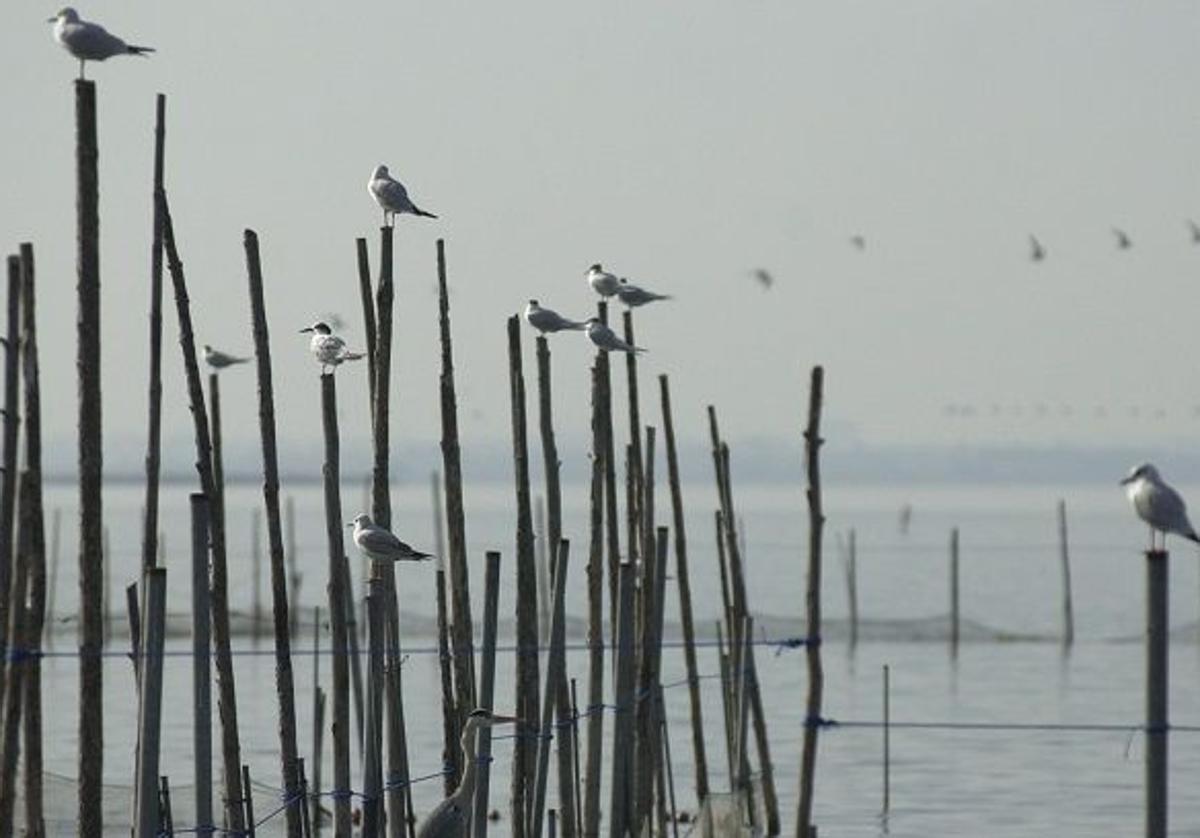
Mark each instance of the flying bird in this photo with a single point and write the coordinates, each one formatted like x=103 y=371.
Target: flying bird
x=1157 y=504
x=379 y=545
x=859 y=243
x=89 y=41
x=1195 y=228
x=764 y=278
x=1036 y=252
x=219 y=360
x=391 y=196
x=327 y=347
x=602 y=282
x=606 y=339
x=1123 y=240
x=452 y=817
x=547 y=320
x=634 y=295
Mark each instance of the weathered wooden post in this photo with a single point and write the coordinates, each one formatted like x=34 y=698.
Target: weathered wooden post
x=372 y=806
x=318 y=728
x=622 y=768
x=12 y=421
x=612 y=522
x=154 y=625
x=595 y=632
x=1158 y=638
x=255 y=574
x=15 y=664
x=1064 y=556
x=812 y=600
x=368 y=307
x=450 y=730
x=290 y=555
x=52 y=584
x=635 y=440
x=154 y=425
x=852 y=584
x=248 y=802
x=487 y=680
x=954 y=613
x=201 y=671
x=555 y=671
x=167 y=820
x=887 y=738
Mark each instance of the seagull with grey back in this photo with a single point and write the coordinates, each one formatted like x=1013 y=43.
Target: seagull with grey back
x=219 y=360
x=602 y=282
x=391 y=196
x=634 y=295
x=547 y=320
x=452 y=817
x=89 y=41
x=327 y=347
x=1158 y=504
x=379 y=545
x=606 y=339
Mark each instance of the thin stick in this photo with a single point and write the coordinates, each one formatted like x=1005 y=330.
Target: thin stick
x=487 y=680
x=201 y=669
x=575 y=752
x=954 y=590
x=611 y=518
x=12 y=420
x=555 y=669
x=852 y=584
x=167 y=819
x=635 y=440
x=887 y=738
x=154 y=581
x=15 y=665
x=318 y=728
x=542 y=564
x=256 y=573
x=372 y=805
x=666 y=760
x=595 y=635
x=623 y=726
x=368 y=307
x=52 y=587
x=248 y=801
x=289 y=526
x=450 y=735
x=812 y=599
x=1064 y=555
x=154 y=424
x=133 y=611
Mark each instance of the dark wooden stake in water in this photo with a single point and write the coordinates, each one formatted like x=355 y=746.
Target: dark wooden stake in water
x=685 y=594
x=368 y=307
x=450 y=729
x=525 y=751
x=852 y=584
x=461 y=637
x=248 y=801
x=318 y=725
x=12 y=421
x=595 y=630
x=154 y=424
x=201 y=669
x=284 y=679
x=1158 y=638
x=34 y=821
x=52 y=584
x=15 y=665
x=289 y=528
x=487 y=681
x=91 y=518
x=256 y=618
x=887 y=738
x=954 y=613
x=167 y=820
x=134 y=611
x=812 y=601
x=555 y=674
x=612 y=521
x=1064 y=556
x=623 y=726
x=338 y=596
x=154 y=625
x=372 y=804
x=635 y=441
x=218 y=586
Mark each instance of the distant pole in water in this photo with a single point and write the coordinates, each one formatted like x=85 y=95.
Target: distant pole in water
x=201 y=671
x=852 y=584
x=954 y=613
x=812 y=599
x=887 y=738
x=1157 y=649
x=1065 y=560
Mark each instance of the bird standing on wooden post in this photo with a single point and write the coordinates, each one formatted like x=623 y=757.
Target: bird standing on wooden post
x=89 y=41
x=379 y=544
x=391 y=196
x=547 y=320
x=452 y=817
x=634 y=295
x=327 y=347
x=602 y=282
x=606 y=339
x=1158 y=504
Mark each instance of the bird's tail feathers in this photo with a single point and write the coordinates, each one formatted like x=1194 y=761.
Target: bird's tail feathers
x=577 y=326
x=353 y=356
x=418 y=211
x=135 y=50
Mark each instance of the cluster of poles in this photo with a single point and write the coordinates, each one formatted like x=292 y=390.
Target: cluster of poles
x=641 y=788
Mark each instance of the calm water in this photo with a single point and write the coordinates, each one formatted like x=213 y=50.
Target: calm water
x=952 y=782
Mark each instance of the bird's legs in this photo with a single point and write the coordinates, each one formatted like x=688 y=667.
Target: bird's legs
x=82 y=74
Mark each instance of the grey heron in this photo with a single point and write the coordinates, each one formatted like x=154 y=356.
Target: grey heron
x=1158 y=504
x=452 y=817
x=327 y=347
x=548 y=320
x=391 y=196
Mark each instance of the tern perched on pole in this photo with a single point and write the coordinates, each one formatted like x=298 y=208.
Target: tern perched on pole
x=89 y=41
x=606 y=339
x=391 y=196
x=452 y=817
x=1158 y=504
x=602 y=282
x=219 y=360
x=547 y=320
x=327 y=347
x=634 y=295
x=379 y=545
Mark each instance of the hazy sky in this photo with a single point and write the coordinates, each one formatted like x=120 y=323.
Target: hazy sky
x=682 y=145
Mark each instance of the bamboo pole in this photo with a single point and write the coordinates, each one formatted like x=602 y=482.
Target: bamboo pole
x=135 y=629
x=450 y=731
x=338 y=596
x=248 y=800
x=723 y=661
x=372 y=805
x=665 y=736
x=318 y=727
x=555 y=673
x=1064 y=557
x=368 y=307
x=742 y=705
x=578 y=825
x=524 y=754
x=18 y=635
x=226 y=694
x=167 y=825
x=622 y=766
x=201 y=667
x=646 y=754
x=852 y=585
x=1158 y=639
x=154 y=424
x=284 y=677
x=685 y=593
x=610 y=476
x=52 y=584
x=812 y=599
x=887 y=738
x=154 y=625
x=91 y=519
x=461 y=637
x=256 y=574
x=292 y=558
x=305 y=826
x=34 y=819
x=8 y=478
x=595 y=636
x=487 y=680
x=636 y=536
x=542 y=566
x=954 y=635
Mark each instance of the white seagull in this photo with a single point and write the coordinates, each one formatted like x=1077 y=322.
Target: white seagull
x=547 y=320
x=602 y=282
x=634 y=295
x=606 y=339
x=89 y=41
x=1157 y=504
x=327 y=347
x=391 y=196
x=219 y=360
x=379 y=545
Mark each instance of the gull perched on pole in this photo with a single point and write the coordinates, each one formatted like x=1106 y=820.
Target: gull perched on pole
x=606 y=339
x=548 y=320
x=89 y=41
x=379 y=545
x=327 y=347
x=219 y=360
x=391 y=196
x=602 y=282
x=1158 y=504
x=634 y=295
x=452 y=817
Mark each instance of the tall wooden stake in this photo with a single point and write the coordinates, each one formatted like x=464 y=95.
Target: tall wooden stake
x=812 y=600
x=364 y=290
x=18 y=635
x=201 y=667
x=1158 y=638
x=154 y=425
x=154 y=619
x=487 y=680
x=626 y=652
x=954 y=590
x=555 y=669
x=595 y=630
x=12 y=421
x=1064 y=556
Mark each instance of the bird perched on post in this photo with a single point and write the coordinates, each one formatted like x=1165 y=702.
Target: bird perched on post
x=1158 y=504
x=89 y=41
x=602 y=282
x=391 y=196
x=219 y=360
x=634 y=295
x=452 y=817
x=379 y=545
x=327 y=347
x=548 y=320
x=606 y=339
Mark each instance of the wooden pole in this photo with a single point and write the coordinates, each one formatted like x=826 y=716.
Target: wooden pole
x=645 y=756
x=461 y=636
x=954 y=635
x=338 y=596
x=306 y=827
x=575 y=753
x=887 y=738
x=666 y=760
x=291 y=556
x=318 y=728
x=635 y=440
x=372 y=805
x=555 y=673
x=368 y=307
x=812 y=599
x=525 y=753
x=623 y=727
x=1158 y=638
x=595 y=630
x=135 y=629
x=1064 y=555
x=542 y=564
x=248 y=801
x=154 y=626
x=450 y=730
x=487 y=680
x=218 y=586
x=34 y=819
x=852 y=584
x=52 y=585
x=154 y=424
x=201 y=667
x=284 y=678
x=612 y=521
x=18 y=635
x=91 y=519
x=726 y=703
x=106 y=558
x=167 y=824
x=742 y=705
x=12 y=420
x=256 y=573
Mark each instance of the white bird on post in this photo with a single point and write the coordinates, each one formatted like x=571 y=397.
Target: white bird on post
x=547 y=320
x=89 y=41
x=1158 y=505
x=391 y=196
x=327 y=347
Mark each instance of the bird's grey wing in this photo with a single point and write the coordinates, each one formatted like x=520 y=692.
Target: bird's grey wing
x=90 y=40
x=1170 y=512
x=393 y=195
x=377 y=540
x=447 y=820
